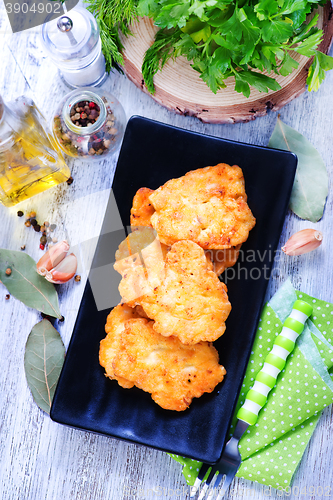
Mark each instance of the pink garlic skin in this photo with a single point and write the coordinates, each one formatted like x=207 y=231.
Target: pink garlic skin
x=52 y=257
x=303 y=242
x=64 y=271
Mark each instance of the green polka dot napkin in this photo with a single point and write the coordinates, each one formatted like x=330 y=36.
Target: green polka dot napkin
x=272 y=449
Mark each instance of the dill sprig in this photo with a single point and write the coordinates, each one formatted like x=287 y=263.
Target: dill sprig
x=158 y=54
x=113 y=16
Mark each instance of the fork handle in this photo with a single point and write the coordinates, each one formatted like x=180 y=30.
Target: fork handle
x=275 y=361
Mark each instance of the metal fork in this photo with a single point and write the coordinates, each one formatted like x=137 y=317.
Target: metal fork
x=226 y=467
x=255 y=400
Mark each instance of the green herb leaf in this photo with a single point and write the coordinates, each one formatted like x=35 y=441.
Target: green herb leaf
x=316 y=75
x=43 y=359
x=310 y=188
x=259 y=81
x=112 y=16
x=276 y=31
x=308 y=46
x=25 y=284
x=158 y=54
x=242 y=86
x=289 y=6
x=288 y=65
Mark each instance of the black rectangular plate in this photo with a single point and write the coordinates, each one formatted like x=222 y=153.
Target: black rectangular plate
x=151 y=154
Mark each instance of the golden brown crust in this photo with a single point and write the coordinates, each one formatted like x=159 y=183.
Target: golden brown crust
x=140 y=259
x=109 y=346
x=173 y=373
x=142 y=208
x=207 y=206
x=185 y=298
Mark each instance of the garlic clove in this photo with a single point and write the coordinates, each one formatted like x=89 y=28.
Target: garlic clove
x=303 y=241
x=52 y=257
x=64 y=271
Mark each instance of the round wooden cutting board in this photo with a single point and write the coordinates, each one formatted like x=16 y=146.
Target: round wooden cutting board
x=180 y=89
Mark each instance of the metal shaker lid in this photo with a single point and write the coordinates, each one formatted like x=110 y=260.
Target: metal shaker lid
x=71 y=37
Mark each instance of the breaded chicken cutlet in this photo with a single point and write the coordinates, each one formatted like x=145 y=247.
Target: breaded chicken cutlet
x=142 y=209
x=141 y=212
x=110 y=345
x=140 y=259
x=190 y=302
x=170 y=371
x=207 y=206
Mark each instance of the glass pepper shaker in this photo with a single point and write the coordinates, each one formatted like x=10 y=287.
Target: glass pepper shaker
x=30 y=159
x=74 y=45
x=89 y=124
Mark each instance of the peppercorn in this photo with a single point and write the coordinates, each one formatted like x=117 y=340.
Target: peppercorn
x=42 y=229
x=23 y=247
x=41 y=246
x=7 y=296
x=77 y=278
x=70 y=181
x=27 y=223
x=20 y=213
x=32 y=215
x=8 y=271
x=52 y=227
x=43 y=240
x=37 y=228
x=33 y=222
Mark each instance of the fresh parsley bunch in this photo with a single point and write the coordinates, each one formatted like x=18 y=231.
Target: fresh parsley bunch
x=238 y=38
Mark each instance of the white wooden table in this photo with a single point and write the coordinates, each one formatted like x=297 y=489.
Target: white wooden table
x=41 y=460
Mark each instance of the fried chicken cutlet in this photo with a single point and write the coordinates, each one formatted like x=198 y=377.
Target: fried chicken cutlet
x=142 y=209
x=109 y=346
x=141 y=212
x=207 y=206
x=172 y=372
x=190 y=302
x=140 y=259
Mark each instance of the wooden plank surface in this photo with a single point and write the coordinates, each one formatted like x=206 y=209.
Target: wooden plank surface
x=41 y=460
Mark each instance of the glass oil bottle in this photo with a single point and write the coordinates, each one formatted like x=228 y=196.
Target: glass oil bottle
x=30 y=159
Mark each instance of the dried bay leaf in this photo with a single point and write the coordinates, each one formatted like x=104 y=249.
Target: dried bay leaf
x=25 y=284
x=310 y=187
x=43 y=360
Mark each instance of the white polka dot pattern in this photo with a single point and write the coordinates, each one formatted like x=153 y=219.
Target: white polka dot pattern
x=271 y=450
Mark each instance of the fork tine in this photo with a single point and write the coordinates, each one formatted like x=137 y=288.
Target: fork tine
x=199 y=480
x=218 y=480
x=195 y=488
x=225 y=486
x=203 y=492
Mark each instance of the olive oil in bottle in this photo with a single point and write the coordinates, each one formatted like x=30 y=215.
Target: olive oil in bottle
x=30 y=160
